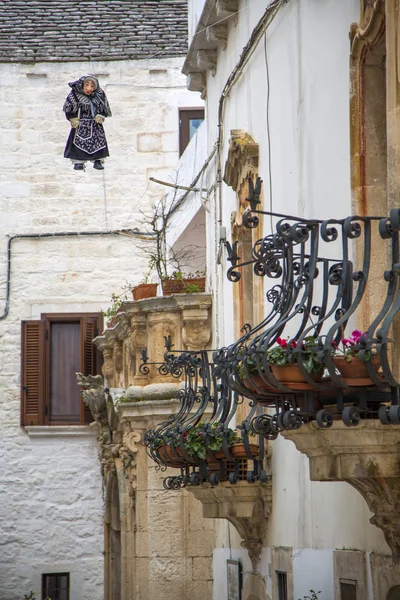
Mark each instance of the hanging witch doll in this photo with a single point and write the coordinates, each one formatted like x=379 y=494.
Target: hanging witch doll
x=86 y=107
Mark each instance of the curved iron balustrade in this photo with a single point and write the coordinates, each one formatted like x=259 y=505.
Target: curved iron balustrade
x=314 y=297
x=317 y=292
x=209 y=407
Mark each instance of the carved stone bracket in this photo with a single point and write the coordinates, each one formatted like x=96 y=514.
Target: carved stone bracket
x=368 y=458
x=246 y=506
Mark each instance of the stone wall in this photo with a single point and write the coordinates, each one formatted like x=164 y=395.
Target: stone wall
x=51 y=507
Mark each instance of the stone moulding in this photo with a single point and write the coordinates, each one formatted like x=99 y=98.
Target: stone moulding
x=246 y=505
x=210 y=35
x=144 y=325
x=367 y=457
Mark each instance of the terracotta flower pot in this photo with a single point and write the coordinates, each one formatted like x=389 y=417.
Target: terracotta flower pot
x=177 y=286
x=144 y=290
x=354 y=372
x=238 y=450
x=170 y=456
x=291 y=377
x=255 y=383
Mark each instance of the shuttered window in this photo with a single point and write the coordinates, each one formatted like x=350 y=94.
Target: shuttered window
x=54 y=349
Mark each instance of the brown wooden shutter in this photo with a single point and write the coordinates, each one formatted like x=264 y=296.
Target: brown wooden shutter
x=32 y=362
x=90 y=354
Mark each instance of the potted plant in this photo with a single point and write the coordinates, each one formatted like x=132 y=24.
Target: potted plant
x=167 y=262
x=111 y=313
x=251 y=378
x=351 y=362
x=283 y=358
x=205 y=437
x=144 y=290
x=178 y=283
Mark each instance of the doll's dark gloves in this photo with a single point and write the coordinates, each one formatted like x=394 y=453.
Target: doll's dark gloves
x=74 y=122
x=99 y=119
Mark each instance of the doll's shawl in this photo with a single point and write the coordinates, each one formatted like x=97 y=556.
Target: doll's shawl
x=97 y=100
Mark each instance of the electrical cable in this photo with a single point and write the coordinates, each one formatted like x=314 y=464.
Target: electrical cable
x=34 y=236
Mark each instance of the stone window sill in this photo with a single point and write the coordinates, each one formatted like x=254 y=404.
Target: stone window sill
x=62 y=430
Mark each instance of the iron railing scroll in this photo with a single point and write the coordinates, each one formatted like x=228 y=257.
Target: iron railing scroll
x=208 y=407
x=315 y=296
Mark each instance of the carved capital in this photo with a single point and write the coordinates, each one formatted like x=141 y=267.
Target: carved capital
x=246 y=506
x=367 y=457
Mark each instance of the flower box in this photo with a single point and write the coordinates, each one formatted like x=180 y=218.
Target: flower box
x=178 y=286
x=144 y=290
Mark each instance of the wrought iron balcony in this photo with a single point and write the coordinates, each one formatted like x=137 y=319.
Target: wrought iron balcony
x=291 y=362
x=200 y=443
x=316 y=294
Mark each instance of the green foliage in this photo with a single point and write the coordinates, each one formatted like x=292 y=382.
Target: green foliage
x=191 y=288
x=314 y=595
x=202 y=437
x=116 y=302
x=284 y=353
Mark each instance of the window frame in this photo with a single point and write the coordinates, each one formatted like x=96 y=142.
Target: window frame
x=349 y=583
x=44 y=588
x=43 y=365
x=282 y=585
x=185 y=114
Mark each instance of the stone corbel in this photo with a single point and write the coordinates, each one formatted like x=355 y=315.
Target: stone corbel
x=207 y=60
x=217 y=35
x=196 y=332
x=247 y=506
x=118 y=359
x=367 y=457
x=196 y=82
x=226 y=8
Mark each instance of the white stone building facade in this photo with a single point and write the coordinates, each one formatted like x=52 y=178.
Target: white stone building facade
x=52 y=506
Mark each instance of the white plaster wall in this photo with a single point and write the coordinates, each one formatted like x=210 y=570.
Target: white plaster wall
x=313 y=570
x=307 y=49
x=51 y=495
x=195 y=8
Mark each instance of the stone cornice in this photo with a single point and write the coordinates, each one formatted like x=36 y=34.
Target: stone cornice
x=210 y=35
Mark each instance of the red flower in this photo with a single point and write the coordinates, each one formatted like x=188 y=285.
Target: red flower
x=282 y=342
x=293 y=344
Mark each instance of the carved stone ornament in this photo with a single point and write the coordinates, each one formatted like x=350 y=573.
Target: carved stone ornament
x=367 y=457
x=247 y=506
x=242 y=158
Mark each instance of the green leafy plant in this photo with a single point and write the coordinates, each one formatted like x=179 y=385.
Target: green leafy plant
x=116 y=302
x=284 y=353
x=203 y=437
x=314 y=595
x=191 y=288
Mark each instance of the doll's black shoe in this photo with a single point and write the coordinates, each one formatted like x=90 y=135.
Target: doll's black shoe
x=79 y=167
x=97 y=165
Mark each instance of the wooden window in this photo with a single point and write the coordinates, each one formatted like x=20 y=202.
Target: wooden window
x=281 y=578
x=348 y=589
x=55 y=586
x=190 y=120
x=54 y=349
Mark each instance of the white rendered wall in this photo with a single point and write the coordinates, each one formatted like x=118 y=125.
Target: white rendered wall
x=307 y=49
x=51 y=506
